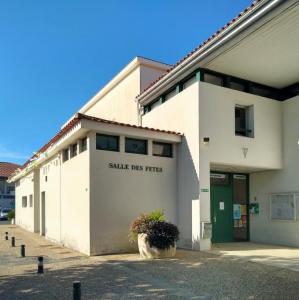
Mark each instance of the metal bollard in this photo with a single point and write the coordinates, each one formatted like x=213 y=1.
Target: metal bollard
x=6 y=236
x=13 y=242
x=76 y=290
x=23 y=250
x=40 y=265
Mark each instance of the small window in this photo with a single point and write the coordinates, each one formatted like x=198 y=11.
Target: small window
x=162 y=149
x=83 y=144
x=155 y=104
x=237 y=85
x=136 y=146
x=31 y=200
x=107 y=142
x=73 y=149
x=170 y=94
x=213 y=79
x=262 y=91
x=189 y=82
x=24 y=201
x=65 y=155
x=244 y=121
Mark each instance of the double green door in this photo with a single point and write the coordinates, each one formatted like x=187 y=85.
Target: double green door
x=229 y=207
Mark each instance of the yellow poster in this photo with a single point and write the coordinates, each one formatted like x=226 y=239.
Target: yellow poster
x=243 y=210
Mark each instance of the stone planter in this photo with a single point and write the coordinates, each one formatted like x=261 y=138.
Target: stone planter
x=152 y=252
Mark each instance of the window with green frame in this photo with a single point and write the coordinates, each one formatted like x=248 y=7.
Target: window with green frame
x=107 y=142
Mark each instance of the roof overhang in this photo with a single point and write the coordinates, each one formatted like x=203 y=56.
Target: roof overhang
x=230 y=44
x=80 y=126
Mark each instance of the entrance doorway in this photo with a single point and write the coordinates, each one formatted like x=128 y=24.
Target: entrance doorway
x=229 y=207
x=43 y=213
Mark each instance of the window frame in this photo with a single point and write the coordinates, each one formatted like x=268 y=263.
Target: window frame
x=110 y=136
x=136 y=139
x=162 y=143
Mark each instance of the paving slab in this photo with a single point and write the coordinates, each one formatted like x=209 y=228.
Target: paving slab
x=190 y=275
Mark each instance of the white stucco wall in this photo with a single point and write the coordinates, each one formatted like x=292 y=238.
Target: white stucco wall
x=119 y=103
x=262 y=228
x=25 y=215
x=119 y=196
x=67 y=201
x=180 y=114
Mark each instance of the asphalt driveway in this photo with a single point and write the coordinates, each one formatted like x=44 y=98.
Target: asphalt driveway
x=191 y=275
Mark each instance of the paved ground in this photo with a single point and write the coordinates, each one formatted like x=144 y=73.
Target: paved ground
x=273 y=255
x=191 y=275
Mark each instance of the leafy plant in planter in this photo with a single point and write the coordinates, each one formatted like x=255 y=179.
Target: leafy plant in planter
x=156 y=237
x=11 y=214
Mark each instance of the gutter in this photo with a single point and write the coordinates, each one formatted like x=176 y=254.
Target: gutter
x=233 y=30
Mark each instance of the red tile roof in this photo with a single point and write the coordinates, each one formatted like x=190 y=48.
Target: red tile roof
x=76 y=120
x=199 y=47
x=6 y=168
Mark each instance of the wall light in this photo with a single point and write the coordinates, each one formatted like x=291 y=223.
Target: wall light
x=206 y=140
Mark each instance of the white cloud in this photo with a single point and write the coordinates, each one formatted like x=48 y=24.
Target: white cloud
x=8 y=154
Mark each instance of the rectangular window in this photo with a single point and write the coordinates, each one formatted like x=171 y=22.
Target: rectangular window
x=244 y=121
x=213 y=79
x=136 y=146
x=170 y=94
x=31 y=200
x=107 y=142
x=189 y=82
x=162 y=149
x=65 y=155
x=83 y=144
x=24 y=201
x=73 y=149
x=237 y=85
x=262 y=91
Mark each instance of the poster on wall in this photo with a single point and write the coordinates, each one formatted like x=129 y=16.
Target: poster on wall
x=237 y=211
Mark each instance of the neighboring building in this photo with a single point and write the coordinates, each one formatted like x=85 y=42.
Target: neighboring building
x=7 y=190
x=222 y=161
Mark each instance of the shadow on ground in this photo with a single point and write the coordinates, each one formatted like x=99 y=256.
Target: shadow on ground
x=189 y=276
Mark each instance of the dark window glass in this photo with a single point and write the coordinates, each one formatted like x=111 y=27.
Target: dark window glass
x=107 y=142
x=237 y=85
x=65 y=155
x=73 y=150
x=213 y=79
x=262 y=91
x=136 y=146
x=219 y=179
x=162 y=149
x=240 y=121
x=83 y=144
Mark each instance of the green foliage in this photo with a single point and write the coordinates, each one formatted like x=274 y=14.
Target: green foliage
x=11 y=214
x=160 y=234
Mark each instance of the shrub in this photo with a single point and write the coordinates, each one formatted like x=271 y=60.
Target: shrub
x=11 y=214
x=160 y=234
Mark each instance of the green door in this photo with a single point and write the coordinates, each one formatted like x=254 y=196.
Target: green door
x=222 y=213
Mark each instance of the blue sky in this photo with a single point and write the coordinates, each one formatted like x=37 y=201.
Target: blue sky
x=54 y=55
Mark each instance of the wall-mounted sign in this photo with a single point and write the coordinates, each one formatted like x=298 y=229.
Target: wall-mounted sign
x=221 y=205
x=254 y=208
x=204 y=190
x=237 y=211
x=122 y=166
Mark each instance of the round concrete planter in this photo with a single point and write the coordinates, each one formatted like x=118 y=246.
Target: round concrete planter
x=146 y=251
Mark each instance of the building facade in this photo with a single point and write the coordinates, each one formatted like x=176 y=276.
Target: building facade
x=213 y=141
x=7 y=190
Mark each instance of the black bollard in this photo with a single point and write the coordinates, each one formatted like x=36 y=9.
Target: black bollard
x=13 y=243
x=6 y=236
x=40 y=265
x=76 y=290
x=23 y=250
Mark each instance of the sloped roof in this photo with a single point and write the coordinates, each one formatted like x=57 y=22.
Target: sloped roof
x=7 y=168
x=76 y=120
x=203 y=44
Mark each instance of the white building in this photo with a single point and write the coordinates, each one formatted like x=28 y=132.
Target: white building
x=222 y=161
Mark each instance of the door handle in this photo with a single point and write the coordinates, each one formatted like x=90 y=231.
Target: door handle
x=214 y=218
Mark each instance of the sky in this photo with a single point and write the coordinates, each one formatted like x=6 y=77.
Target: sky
x=55 y=55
